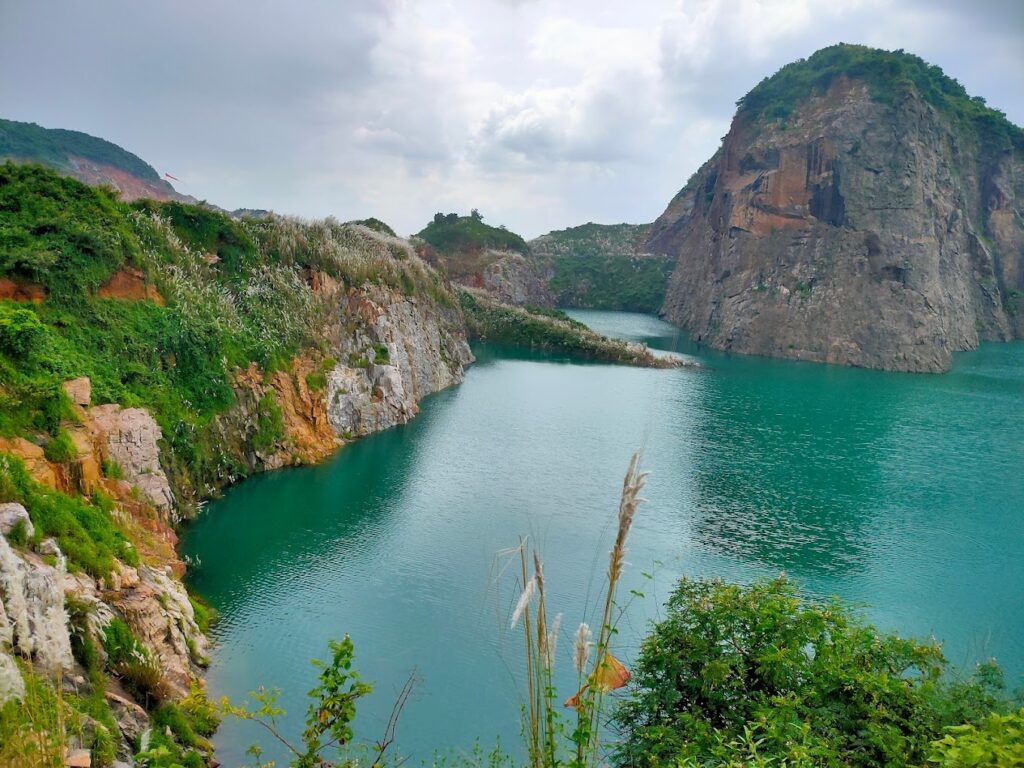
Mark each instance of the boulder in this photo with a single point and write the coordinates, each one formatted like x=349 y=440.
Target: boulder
x=79 y=391
x=10 y=514
x=32 y=617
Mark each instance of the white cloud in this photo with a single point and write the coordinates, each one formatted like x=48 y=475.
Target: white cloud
x=543 y=114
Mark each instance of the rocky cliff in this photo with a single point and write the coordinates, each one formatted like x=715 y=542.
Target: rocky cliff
x=215 y=348
x=862 y=210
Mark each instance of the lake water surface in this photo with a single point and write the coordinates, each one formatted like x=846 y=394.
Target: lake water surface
x=902 y=492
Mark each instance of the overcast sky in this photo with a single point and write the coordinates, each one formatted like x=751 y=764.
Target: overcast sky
x=542 y=114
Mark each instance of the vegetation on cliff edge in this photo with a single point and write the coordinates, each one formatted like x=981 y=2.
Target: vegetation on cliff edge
x=548 y=330
x=213 y=294
x=52 y=146
x=888 y=74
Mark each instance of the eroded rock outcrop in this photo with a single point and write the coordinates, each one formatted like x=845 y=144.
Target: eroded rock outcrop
x=32 y=618
x=862 y=231
x=131 y=438
x=400 y=351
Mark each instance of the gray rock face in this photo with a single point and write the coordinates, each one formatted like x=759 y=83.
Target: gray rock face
x=10 y=514
x=401 y=351
x=32 y=618
x=861 y=233
x=517 y=280
x=132 y=440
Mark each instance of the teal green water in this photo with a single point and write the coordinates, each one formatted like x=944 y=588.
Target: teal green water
x=904 y=492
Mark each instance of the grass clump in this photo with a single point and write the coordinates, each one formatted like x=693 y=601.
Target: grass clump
x=133 y=664
x=269 y=423
x=60 y=449
x=86 y=533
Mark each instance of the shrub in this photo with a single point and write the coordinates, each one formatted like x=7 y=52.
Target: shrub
x=807 y=681
x=21 y=333
x=998 y=740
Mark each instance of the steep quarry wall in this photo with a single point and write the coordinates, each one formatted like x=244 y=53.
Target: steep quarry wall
x=382 y=352
x=858 y=232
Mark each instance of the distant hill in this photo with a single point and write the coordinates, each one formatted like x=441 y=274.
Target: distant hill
x=87 y=158
x=603 y=266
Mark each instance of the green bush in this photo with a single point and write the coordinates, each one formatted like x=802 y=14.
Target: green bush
x=21 y=333
x=60 y=448
x=996 y=742
x=806 y=682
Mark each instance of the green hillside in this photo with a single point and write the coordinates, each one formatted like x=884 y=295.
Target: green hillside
x=888 y=74
x=51 y=146
x=233 y=292
x=602 y=266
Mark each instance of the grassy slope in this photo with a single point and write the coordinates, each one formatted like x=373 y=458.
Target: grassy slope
x=235 y=293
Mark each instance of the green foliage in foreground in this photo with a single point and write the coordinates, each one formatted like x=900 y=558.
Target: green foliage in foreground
x=888 y=74
x=85 y=532
x=756 y=676
x=329 y=718
x=451 y=233
x=996 y=742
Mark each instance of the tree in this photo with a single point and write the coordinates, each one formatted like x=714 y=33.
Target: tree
x=757 y=675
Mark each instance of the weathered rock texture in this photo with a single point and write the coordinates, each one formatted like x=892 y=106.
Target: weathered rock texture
x=32 y=618
x=516 y=279
x=856 y=232
x=131 y=438
x=400 y=351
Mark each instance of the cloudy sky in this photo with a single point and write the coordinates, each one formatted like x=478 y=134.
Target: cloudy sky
x=541 y=113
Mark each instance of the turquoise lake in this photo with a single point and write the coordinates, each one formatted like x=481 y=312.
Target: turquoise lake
x=901 y=492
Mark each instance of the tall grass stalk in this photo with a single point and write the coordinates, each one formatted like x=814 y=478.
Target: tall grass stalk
x=543 y=728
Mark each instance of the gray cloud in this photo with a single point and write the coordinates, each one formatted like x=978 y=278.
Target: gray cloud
x=541 y=114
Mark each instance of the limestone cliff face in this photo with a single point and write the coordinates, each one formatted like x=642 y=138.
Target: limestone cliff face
x=884 y=235
x=400 y=350
x=384 y=352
